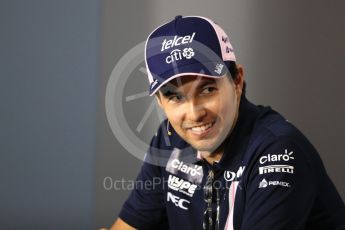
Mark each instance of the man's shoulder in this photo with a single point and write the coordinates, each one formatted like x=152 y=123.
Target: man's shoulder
x=272 y=127
x=263 y=124
x=273 y=134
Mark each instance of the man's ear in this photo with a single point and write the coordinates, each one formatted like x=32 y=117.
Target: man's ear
x=239 y=81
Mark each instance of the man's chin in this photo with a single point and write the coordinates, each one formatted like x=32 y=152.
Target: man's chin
x=209 y=147
x=204 y=147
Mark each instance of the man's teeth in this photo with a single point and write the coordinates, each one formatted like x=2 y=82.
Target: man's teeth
x=202 y=128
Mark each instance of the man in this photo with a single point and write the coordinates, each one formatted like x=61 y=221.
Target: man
x=223 y=163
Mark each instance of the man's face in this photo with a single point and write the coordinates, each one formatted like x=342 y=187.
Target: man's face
x=201 y=110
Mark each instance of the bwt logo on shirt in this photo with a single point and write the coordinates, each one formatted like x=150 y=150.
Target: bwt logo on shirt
x=176 y=41
x=181 y=203
x=230 y=176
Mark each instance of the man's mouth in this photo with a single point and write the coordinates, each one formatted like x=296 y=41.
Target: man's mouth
x=201 y=129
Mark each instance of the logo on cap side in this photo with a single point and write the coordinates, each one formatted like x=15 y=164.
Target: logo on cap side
x=219 y=68
x=154 y=83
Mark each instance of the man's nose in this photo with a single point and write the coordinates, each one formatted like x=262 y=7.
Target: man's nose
x=196 y=111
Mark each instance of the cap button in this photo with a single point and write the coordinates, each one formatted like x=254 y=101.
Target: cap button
x=178 y=17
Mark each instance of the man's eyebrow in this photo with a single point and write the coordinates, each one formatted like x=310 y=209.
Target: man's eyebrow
x=168 y=91
x=206 y=82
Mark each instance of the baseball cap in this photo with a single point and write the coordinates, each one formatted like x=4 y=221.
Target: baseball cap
x=189 y=45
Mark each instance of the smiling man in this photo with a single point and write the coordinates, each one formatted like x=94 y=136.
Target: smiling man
x=202 y=110
x=219 y=161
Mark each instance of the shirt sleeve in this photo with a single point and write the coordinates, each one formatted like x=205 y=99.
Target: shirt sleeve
x=280 y=189
x=145 y=207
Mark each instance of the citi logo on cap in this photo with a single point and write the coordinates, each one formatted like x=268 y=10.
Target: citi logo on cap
x=176 y=41
x=177 y=55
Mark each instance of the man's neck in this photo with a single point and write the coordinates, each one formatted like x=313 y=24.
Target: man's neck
x=214 y=156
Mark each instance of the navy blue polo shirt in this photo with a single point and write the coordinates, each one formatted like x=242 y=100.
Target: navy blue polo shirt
x=269 y=177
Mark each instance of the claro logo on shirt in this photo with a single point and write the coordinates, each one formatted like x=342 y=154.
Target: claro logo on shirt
x=181 y=203
x=181 y=166
x=191 y=172
x=277 y=157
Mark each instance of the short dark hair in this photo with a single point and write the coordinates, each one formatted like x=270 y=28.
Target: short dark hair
x=232 y=67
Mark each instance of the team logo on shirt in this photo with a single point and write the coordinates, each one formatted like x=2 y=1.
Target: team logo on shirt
x=177 y=201
x=181 y=185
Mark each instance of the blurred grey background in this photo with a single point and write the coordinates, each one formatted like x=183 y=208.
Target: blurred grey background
x=58 y=155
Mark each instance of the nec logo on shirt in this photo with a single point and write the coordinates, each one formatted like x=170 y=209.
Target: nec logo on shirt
x=181 y=203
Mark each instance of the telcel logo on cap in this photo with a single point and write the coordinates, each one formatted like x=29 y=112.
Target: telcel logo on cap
x=176 y=41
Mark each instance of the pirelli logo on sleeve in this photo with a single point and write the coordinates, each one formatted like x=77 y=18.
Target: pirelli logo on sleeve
x=276 y=169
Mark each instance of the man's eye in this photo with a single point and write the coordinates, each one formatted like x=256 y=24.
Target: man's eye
x=176 y=98
x=208 y=90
